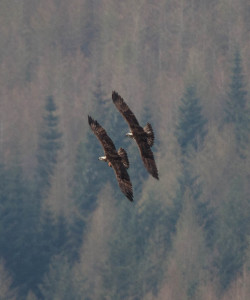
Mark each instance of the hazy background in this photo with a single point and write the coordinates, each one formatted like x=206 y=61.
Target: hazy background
x=66 y=230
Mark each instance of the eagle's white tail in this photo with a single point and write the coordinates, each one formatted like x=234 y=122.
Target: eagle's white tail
x=150 y=134
x=123 y=154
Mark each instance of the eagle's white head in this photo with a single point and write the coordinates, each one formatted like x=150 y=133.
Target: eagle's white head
x=103 y=158
x=129 y=134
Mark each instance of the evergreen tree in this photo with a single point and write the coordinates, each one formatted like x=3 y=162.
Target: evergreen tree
x=60 y=281
x=28 y=239
x=47 y=236
x=75 y=237
x=140 y=242
x=232 y=232
x=51 y=239
x=204 y=211
x=236 y=109
x=18 y=221
x=89 y=173
x=189 y=257
x=190 y=131
x=48 y=147
x=61 y=241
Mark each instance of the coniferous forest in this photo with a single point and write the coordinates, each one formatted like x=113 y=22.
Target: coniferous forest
x=66 y=230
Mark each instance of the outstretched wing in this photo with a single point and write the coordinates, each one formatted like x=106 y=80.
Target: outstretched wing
x=115 y=160
x=123 y=179
x=101 y=134
x=126 y=112
x=148 y=158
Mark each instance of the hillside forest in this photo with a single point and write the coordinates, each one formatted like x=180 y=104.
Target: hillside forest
x=66 y=230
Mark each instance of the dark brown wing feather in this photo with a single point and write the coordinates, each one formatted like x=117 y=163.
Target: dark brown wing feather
x=148 y=158
x=113 y=157
x=126 y=112
x=101 y=134
x=123 y=179
x=123 y=154
x=139 y=134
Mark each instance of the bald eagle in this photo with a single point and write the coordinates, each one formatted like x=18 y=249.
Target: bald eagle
x=144 y=137
x=118 y=160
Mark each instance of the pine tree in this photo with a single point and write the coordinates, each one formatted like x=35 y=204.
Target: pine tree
x=60 y=281
x=205 y=213
x=18 y=240
x=236 y=111
x=47 y=241
x=189 y=258
x=89 y=173
x=232 y=232
x=190 y=130
x=28 y=240
x=49 y=144
x=140 y=242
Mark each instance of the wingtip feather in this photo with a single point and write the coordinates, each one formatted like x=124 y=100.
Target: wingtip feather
x=90 y=120
x=130 y=197
x=154 y=173
x=156 y=177
x=115 y=96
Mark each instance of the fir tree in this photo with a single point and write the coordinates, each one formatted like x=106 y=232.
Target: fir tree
x=232 y=232
x=236 y=111
x=18 y=240
x=190 y=131
x=89 y=173
x=49 y=144
x=140 y=241
x=29 y=239
x=60 y=281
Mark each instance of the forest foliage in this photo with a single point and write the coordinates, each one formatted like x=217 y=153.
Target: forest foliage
x=66 y=230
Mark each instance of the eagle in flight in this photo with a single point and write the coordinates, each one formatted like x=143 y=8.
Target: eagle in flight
x=118 y=160
x=144 y=137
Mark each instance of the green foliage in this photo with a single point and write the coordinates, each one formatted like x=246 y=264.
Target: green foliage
x=236 y=109
x=18 y=217
x=52 y=240
x=90 y=174
x=90 y=30
x=232 y=233
x=145 y=47
x=206 y=218
x=75 y=238
x=204 y=212
x=140 y=242
x=60 y=283
x=49 y=144
x=28 y=239
x=189 y=258
x=190 y=130
x=87 y=182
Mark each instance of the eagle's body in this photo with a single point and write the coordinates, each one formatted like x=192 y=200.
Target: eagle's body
x=118 y=160
x=144 y=137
